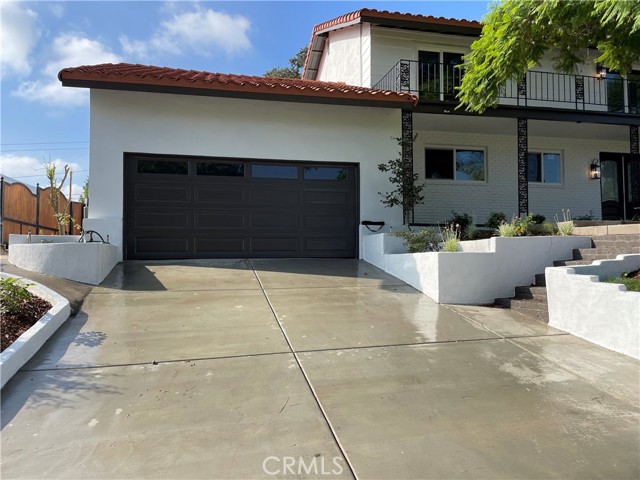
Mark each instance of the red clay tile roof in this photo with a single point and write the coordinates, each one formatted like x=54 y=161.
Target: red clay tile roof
x=371 y=14
x=383 y=17
x=151 y=78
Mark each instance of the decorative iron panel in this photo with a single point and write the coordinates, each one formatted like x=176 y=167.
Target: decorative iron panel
x=634 y=167
x=407 y=155
x=405 y=76
x=579 y=89
x=523 y=150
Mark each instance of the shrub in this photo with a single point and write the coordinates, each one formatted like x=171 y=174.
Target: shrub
x=565 y=227
x=419 y=241
x=450 y=238
x=495 y=220
x=471 y=232
x=508 y=229
x=461 y=219
x=13 y=293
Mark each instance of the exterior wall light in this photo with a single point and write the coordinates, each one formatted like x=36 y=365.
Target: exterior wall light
x=601 y=71
x=594 y=171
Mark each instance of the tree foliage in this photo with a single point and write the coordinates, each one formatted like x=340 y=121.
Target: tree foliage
x=55 y=189
x=294 y=70
x=407 y=192
x=516 y=34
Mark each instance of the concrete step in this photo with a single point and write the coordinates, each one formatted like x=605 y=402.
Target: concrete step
x=535 y=293
x=540 y=280
x=532 y=308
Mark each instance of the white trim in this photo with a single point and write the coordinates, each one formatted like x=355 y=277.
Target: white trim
x=543 y=151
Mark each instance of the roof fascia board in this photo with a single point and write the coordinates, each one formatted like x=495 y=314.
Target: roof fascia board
x=129 y=87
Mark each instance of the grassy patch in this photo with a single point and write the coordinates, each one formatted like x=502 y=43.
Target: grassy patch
x=632 y=284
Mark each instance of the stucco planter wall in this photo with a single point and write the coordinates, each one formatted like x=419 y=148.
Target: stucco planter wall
x=483 y=271
x=20 y=351
x=602 y=313
x=82 y=262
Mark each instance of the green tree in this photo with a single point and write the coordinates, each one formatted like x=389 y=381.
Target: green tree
x=516 y=34
x=294 y=70
x=407 y=192
x=55 y=189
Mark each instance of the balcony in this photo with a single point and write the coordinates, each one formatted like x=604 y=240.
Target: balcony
x=437 y=82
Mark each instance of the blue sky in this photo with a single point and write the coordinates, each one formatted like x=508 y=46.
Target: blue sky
x=40 y=38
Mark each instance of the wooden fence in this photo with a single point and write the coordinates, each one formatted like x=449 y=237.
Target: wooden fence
x=21 y=210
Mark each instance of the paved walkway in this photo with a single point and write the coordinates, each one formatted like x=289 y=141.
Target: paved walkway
x=304 y=368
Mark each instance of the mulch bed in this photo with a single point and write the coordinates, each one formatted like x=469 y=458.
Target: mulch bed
x=12 y=326
x=635 y=274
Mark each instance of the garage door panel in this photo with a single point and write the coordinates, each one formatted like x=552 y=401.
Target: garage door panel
x=220 y=220
x=289 y=219
x=146 y=219
x=327 y=221
x=263 y=196
x=323 y=197
x=216 y=245
x=165 y=245
x=221 y=195
x=162 y=193
x=275 y=245
x=220 y=209
x=327 y=244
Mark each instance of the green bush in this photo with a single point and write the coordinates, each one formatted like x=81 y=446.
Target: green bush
x=508 y=230
x=495 y=219
x=424 y=240
x=13 y=293
x=462 y=219
x=450 y=238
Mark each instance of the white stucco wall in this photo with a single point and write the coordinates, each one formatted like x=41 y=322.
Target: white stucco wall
x=602 y=313
x=499 y=191
x=189 y=125
x=481 y=272
x=346 y=56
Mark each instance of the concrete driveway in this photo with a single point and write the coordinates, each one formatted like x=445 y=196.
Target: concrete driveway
x=311 y=368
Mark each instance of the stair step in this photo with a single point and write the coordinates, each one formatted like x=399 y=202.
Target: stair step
x=535 y=293
x=533 y=308
x=540 y=280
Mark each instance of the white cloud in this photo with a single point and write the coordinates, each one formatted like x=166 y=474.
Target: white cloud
x=67 y=50
x=30 y=170
x=18 y=36
x=56 y=9
x=202 y=31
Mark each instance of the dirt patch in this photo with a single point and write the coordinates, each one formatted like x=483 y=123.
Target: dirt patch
x=14 y=325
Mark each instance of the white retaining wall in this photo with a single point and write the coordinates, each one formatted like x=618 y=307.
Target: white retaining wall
x=20 y=351
x=483 y=271
x=602 y=313
x=82 y=262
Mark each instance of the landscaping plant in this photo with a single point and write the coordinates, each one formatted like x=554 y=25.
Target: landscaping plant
x=631 y=280
x=450 y=238
x=13 y=295
x=408 y=192
x=495 y=220
x=565 y=227
x=424 y=240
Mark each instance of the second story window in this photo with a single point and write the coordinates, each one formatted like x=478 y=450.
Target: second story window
x=438 y=75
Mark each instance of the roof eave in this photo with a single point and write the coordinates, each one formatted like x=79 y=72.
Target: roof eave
x=352 y=100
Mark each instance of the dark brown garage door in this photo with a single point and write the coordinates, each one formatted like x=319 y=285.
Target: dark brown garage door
x=186 y=207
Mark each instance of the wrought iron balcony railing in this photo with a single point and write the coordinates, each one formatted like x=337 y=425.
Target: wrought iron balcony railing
x=437 y=82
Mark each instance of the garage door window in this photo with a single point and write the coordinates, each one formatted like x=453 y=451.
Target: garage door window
x=220 y=169
x=163 y=166
x=325 y=173
x=274 y=171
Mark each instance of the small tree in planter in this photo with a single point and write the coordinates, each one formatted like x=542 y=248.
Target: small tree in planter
x=407 y=192
x=59 y=212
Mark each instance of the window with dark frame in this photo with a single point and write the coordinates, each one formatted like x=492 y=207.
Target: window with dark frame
x=544 y=167
x=461 y=164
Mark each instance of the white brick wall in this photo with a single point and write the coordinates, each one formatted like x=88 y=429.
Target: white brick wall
x=499 y=192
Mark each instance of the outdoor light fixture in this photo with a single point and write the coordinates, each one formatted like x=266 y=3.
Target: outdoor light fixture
x=595 y=169
x=601 y=72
